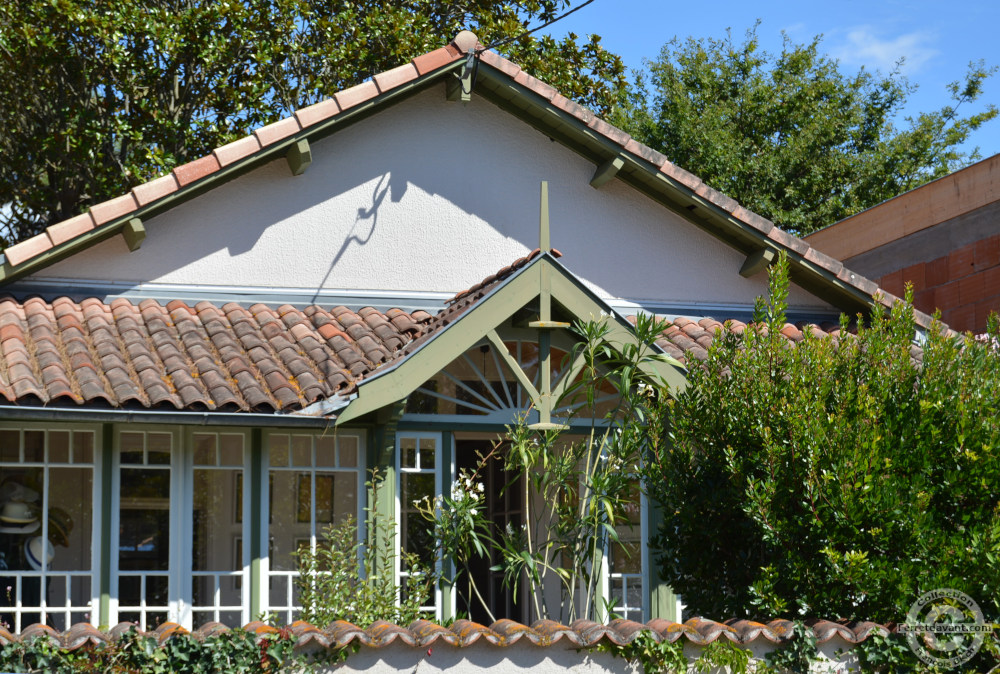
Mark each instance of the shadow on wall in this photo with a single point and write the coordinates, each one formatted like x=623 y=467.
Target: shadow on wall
x=443 y=182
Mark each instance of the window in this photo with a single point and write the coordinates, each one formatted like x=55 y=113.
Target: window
x=145 y=491
x=46 y=527
x=314 y=481
x=626 y=561
x=218 y=564
x=419 y=477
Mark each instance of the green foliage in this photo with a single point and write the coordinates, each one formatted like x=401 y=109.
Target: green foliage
x=232 y=651
x=789 y=135
x=581 y=488
x=654 y=656
x=797 y=654
x=97 y=96
x=836 y=478
x=462 y=533
x=344 y=580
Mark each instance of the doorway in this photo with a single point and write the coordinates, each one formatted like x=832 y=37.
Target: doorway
x=504 y=507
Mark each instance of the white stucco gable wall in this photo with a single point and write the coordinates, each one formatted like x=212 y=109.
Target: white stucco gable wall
x=430 y=196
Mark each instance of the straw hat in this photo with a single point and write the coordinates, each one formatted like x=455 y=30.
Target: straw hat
x=60 y=526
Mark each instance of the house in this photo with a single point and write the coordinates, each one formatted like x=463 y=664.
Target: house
x=196 y=375
x=942 y=237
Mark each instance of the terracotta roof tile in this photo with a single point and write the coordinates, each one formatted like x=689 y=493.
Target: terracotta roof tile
x=238 y=149
x=203 y=357
x=356 y=95
x=317 y=112
x=113 y=208
x=70 y=229
x=28 y=249
x=425 y=63
x=398 y=76
x=155 y=189
x=195 y=170
x=503 y=633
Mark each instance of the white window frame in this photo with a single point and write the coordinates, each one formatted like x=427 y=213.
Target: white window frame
x=398 y=487
x=186 y=589
x=264 y=512
x=97 y=480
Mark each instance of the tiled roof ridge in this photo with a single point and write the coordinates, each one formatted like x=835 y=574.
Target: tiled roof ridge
x=302 y=120
x=688 y=340
x=462 y=633
x=206 y=357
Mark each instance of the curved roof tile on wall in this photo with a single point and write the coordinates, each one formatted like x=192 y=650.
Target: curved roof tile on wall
x=462 y=633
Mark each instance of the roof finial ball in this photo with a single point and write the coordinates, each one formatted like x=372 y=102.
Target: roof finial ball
x=465 y=41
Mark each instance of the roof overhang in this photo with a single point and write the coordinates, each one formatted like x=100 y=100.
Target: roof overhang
x=394 y=383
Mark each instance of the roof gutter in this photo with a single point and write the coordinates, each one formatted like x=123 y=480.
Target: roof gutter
x=291 y=420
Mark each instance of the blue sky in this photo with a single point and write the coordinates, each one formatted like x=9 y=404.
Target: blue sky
x=937 y=39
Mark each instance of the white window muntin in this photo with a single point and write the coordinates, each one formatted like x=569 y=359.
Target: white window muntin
x=147 y=614
x=420 y=441
x=281 y=602
x=81 y=453
x=231 y=460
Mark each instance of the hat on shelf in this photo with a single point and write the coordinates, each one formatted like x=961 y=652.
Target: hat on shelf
x=18 y=512
x=60 y=527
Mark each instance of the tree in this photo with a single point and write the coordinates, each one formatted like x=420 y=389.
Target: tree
x=98 y=96
x=792 y=137
x=839 y=478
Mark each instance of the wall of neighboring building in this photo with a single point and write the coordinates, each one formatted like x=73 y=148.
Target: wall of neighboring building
x=426 y=196
x=943 y=238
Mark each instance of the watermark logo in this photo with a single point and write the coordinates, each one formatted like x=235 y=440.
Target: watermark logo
x=945 y=628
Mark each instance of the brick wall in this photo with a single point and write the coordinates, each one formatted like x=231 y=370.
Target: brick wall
x=964 y=284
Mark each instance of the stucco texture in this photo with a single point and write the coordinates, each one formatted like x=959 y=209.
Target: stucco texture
x=426 y=195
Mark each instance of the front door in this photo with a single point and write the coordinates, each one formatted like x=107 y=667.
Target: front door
x=504 y=507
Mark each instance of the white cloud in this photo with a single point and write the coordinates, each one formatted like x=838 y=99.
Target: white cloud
x=863 y=47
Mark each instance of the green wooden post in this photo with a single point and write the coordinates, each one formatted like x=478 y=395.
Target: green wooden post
x=107 y=465
x=383 y=459
x=255 y=480
x=447 y=476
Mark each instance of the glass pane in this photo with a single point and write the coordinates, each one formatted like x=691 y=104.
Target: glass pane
x=427 y=447
x=231 y=591
x=231 y=618
x=415 y=529
x=301 y=450
x=158 y=449
x=129 y=590
x=58 y=447
x=204 y=617
x=203 y=589
x=215 y=517
x=231 y=450
x=626 y=557
x=408 y=452
x=56 y=591
x=326 y=451
x=285 y=525
x=345 y=492
x=279 y=450
x=83 y=447
x=144 y=527
x=34 y=446
x=10 y=446
x=347 y=448
x=156 y=590
x=70 y=517
x=204 y=450
x=155 y=619
x=131 y=448
x=278 y=590
x=79 y=593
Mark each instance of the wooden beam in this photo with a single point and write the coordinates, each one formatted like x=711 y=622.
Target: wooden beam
x=757 y=262
x=606 y=171
x=133 y=232
x=299 y=157
x=459 y=87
